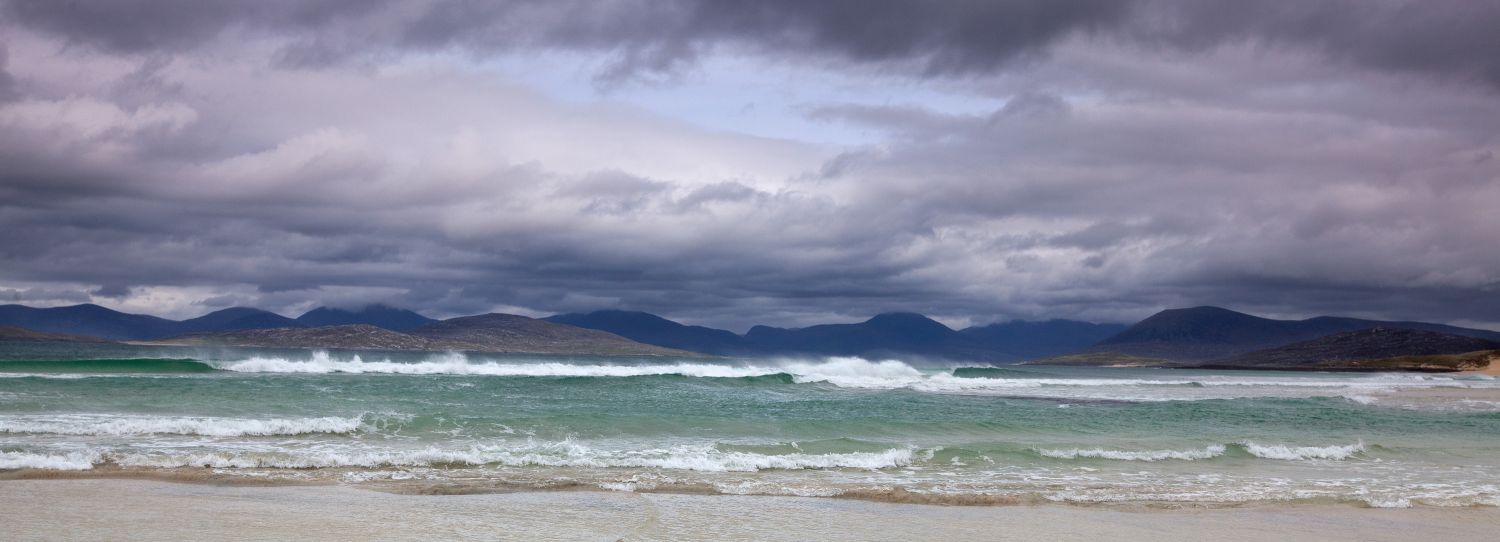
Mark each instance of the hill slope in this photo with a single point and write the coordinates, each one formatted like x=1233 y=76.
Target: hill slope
x=17 y=334
x=1353 y=349
x=1032 y=340
x=234 y=318
x=511 y=333
x=889 y=334
x=356 y=336
x=376 y=315
x=89 y=320
x=1205 y=333
x=505 y=333
x=652 y=329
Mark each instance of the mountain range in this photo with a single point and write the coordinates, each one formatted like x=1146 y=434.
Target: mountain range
x=96 y=321
x=1375 y=348
x=1210 y=333
x=884 y=335
x=506 y=333
x=1190 y=336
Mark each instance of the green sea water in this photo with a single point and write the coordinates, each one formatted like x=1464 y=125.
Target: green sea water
x=819 y=427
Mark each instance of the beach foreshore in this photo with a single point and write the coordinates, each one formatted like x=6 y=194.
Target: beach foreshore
x=122 y=509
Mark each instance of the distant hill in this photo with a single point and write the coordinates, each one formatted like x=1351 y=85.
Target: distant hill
x=234 y=318
x=1205 y=333
x=512 y=333
x=355 y=336
x=889 y=334
x=16 y=334
x=652 y=329
x=1364 y=348
x=1032 y=340
x=89 y=320
x=376 y=315
x=484 y=333
x=96 y=321
x=1102 y=359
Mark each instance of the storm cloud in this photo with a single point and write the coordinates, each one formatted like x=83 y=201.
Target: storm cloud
x=1086 y=159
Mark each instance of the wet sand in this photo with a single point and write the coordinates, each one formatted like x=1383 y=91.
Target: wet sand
x=93 y=509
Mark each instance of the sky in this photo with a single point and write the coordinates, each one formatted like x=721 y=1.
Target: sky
x=731 y=163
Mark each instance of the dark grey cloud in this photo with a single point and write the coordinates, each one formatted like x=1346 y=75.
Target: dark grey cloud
x=8 y=90
x=1318 y=157
x=1451 y=38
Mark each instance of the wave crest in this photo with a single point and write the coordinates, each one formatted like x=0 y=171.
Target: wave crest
x=559 y=454
x=114 y=425
x=1209 y=452
x=1301 y=453
x=64 y=461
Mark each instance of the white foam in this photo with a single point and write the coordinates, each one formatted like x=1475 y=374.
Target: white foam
x=847 y=372
x=122 y=425
x=1388 y=502
x=1299 y=453
x=1127 y=455
x=561 y=454
x=459 y=364
x=64 y=461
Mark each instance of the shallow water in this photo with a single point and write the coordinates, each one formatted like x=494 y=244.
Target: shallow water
x=880 y=429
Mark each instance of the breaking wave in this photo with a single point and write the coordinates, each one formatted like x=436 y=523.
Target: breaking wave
x=1125 y=455
x=1299 y=453
x=63 y=461
x=1275 y=451
x=848 y=372
x=557 y=454
x=116 y=425
x=107 y=366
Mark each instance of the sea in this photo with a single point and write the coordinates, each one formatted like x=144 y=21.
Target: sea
x=837 y=427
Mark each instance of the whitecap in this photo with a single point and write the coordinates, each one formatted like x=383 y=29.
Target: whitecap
x=1129 y=455
x=560 y=454
x=63 y=461
x=1299 y=453
x=124 y=425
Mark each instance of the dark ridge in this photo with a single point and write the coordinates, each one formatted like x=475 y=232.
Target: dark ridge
x=89 y=320
x=1033 y=340
x=377 y=315
x=235 y=318
x=19 y=334
x=1206 y=333
x=652 y=329
x=1364 y=348
x=890 y=334
x=511 y=333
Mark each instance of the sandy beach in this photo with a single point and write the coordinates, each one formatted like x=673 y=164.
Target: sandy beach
x=1493 y=369
x=94 y=509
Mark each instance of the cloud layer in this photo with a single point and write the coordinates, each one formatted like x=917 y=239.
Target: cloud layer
x=1328 y=156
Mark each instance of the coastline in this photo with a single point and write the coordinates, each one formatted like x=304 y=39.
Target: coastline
x=149 y=509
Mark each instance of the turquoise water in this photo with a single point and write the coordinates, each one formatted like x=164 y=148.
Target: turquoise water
x=821 y=427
